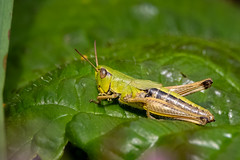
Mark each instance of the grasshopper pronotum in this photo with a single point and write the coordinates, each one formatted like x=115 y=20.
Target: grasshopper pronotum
x=149 y=95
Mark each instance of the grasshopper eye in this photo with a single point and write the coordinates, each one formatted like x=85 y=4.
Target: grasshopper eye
x=103 y=73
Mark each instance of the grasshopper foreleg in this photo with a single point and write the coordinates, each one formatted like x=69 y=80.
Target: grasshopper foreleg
x=104 y=97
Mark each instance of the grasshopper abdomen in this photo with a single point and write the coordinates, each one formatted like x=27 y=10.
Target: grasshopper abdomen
x=179 y=104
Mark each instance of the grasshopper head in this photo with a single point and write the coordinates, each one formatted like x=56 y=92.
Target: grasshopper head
x=103 y=78
x=102 y=73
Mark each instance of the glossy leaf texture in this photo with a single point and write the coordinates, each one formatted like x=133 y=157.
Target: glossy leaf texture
x=55 y=109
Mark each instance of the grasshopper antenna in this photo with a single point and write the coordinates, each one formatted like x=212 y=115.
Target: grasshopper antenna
x=95 y=48
x=86 y=59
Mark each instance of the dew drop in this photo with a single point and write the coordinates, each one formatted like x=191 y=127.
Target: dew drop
x=230 y=114
x=218 y=93
x=145 y=11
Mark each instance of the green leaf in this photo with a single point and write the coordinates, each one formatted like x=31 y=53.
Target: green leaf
x=39 y=112
x=6 y=8
x=208 y=143
x=91 y=126
x=56 y=108
x=130 y=140
x=170 y=140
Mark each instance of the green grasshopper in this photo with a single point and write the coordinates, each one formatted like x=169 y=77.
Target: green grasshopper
x=149 y=95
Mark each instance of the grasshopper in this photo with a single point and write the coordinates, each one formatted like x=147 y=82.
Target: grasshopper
x=150 y=96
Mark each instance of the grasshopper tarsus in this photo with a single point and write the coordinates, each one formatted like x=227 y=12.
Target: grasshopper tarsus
x=94 y=101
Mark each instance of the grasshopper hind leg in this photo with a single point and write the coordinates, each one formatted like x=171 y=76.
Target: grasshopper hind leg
x=196 y=120
x=148 y=113
x=200 y=121
x=191 y=88
x=162 y=108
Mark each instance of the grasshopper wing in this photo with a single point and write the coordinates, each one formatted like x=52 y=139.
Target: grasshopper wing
x=145 y=84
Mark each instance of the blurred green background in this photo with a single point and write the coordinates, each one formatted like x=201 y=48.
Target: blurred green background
x=47 y=86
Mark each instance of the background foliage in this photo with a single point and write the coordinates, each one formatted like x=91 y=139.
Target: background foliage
x=48 y=89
